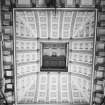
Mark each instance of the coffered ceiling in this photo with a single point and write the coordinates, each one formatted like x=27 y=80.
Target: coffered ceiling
x=48 y=24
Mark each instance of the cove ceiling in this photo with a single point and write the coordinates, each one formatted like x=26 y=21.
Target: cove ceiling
x=54 y=24
x=35 y=26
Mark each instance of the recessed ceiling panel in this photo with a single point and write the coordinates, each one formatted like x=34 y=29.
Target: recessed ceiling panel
x=37 y=27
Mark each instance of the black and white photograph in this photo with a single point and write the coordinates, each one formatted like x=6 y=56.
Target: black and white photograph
x=52 y=52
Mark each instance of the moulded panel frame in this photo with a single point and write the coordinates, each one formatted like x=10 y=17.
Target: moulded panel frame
x=70 y=5
x=23 y=5
x=66 y=42
x=93 y=4
x=14 y=56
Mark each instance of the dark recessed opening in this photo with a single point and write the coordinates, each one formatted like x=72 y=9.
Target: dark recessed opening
x=54 y=57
